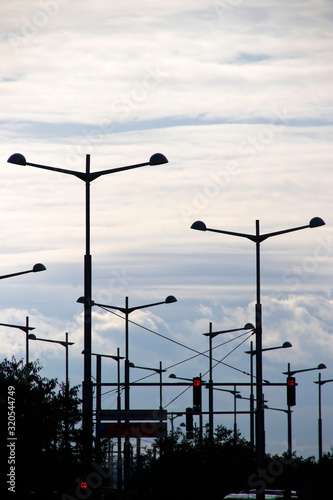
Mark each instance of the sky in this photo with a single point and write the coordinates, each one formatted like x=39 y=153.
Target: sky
x=237 y=96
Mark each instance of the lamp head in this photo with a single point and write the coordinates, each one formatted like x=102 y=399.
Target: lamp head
x=131 y=365
x=248 y=326
x=17 y=159
x=157 y=159
x=172 y=375
x=321 y=366
x=81 y=300
x=170 y=299
x=38 y=267
x=316 y=222
x=286 y=344
x=199 y=225
x=32 y=336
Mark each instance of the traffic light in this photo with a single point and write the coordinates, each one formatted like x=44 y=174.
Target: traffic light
x=189 y=423
x=197 y=393
x=291 y=391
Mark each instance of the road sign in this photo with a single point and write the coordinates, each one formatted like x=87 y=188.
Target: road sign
x=132 y=415
x=132 y=430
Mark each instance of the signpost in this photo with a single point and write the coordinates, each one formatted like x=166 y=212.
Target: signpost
x=132 y=429
x=132 y=415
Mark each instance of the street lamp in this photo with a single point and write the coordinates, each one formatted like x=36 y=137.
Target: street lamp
x=253 y=352
x=211 y=335
x=290 y=373
x=36 y=269
x=64 y=343
x=257 y=238
x=25 y=329
x=320 y=430
x=87 y=177
x=125 y=310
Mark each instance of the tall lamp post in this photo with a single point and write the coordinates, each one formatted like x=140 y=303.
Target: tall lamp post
x=320 y=429
x=211 y=335
x=127 y=311
x=257 y=238
x=252 y=353
x=87 y=177
x=290 y=373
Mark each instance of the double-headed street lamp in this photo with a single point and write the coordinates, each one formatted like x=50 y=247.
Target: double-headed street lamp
x=87 y=177
x=290 y=373
x=252 y=353
x=257 y=238
x=320 y=429
x=126 y=310
x=211 y=335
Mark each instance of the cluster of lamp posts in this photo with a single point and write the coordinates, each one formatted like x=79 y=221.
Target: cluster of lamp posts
x=87 y=177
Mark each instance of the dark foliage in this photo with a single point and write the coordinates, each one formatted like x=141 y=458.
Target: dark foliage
x=47 y=446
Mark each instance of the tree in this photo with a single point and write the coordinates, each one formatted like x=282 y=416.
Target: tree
x=45 y=453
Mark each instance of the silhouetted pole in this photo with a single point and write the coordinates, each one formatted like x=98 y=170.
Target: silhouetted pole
x=210 y=393
x=259 y=423
x=320 y=382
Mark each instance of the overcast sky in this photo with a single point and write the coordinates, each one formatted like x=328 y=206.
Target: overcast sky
x=237 y=95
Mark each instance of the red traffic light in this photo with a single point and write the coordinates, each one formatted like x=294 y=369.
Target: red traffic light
x=197 y=382
x=84 y=485
x=291 y=391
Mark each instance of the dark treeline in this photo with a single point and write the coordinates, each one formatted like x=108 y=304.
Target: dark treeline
x=46 y=453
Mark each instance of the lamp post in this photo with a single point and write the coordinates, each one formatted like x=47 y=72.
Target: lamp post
x=65 y=344
x=290 y=373
x=127 y=311
x=87 y=177
x=25 y=329
x=236 y=395
x=211 y=335
x=320 y=429
x=257 y=238
x=99 y=403
x=252 y=353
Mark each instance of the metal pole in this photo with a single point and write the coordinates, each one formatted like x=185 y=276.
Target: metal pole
x=27 y=340
x=251 y=400
x=66 y=395
x=210 y=394
x=119 y=464
x=260 y=431
x=290 y=450
x=320 y=430
x=127 y=466
x=161 y=401
x=87 y=405
x=235 y=417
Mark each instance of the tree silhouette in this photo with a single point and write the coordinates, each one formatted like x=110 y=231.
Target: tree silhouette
x=47 y=445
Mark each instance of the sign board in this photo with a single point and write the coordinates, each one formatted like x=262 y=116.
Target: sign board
x=132 y=430
x=132 y=415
